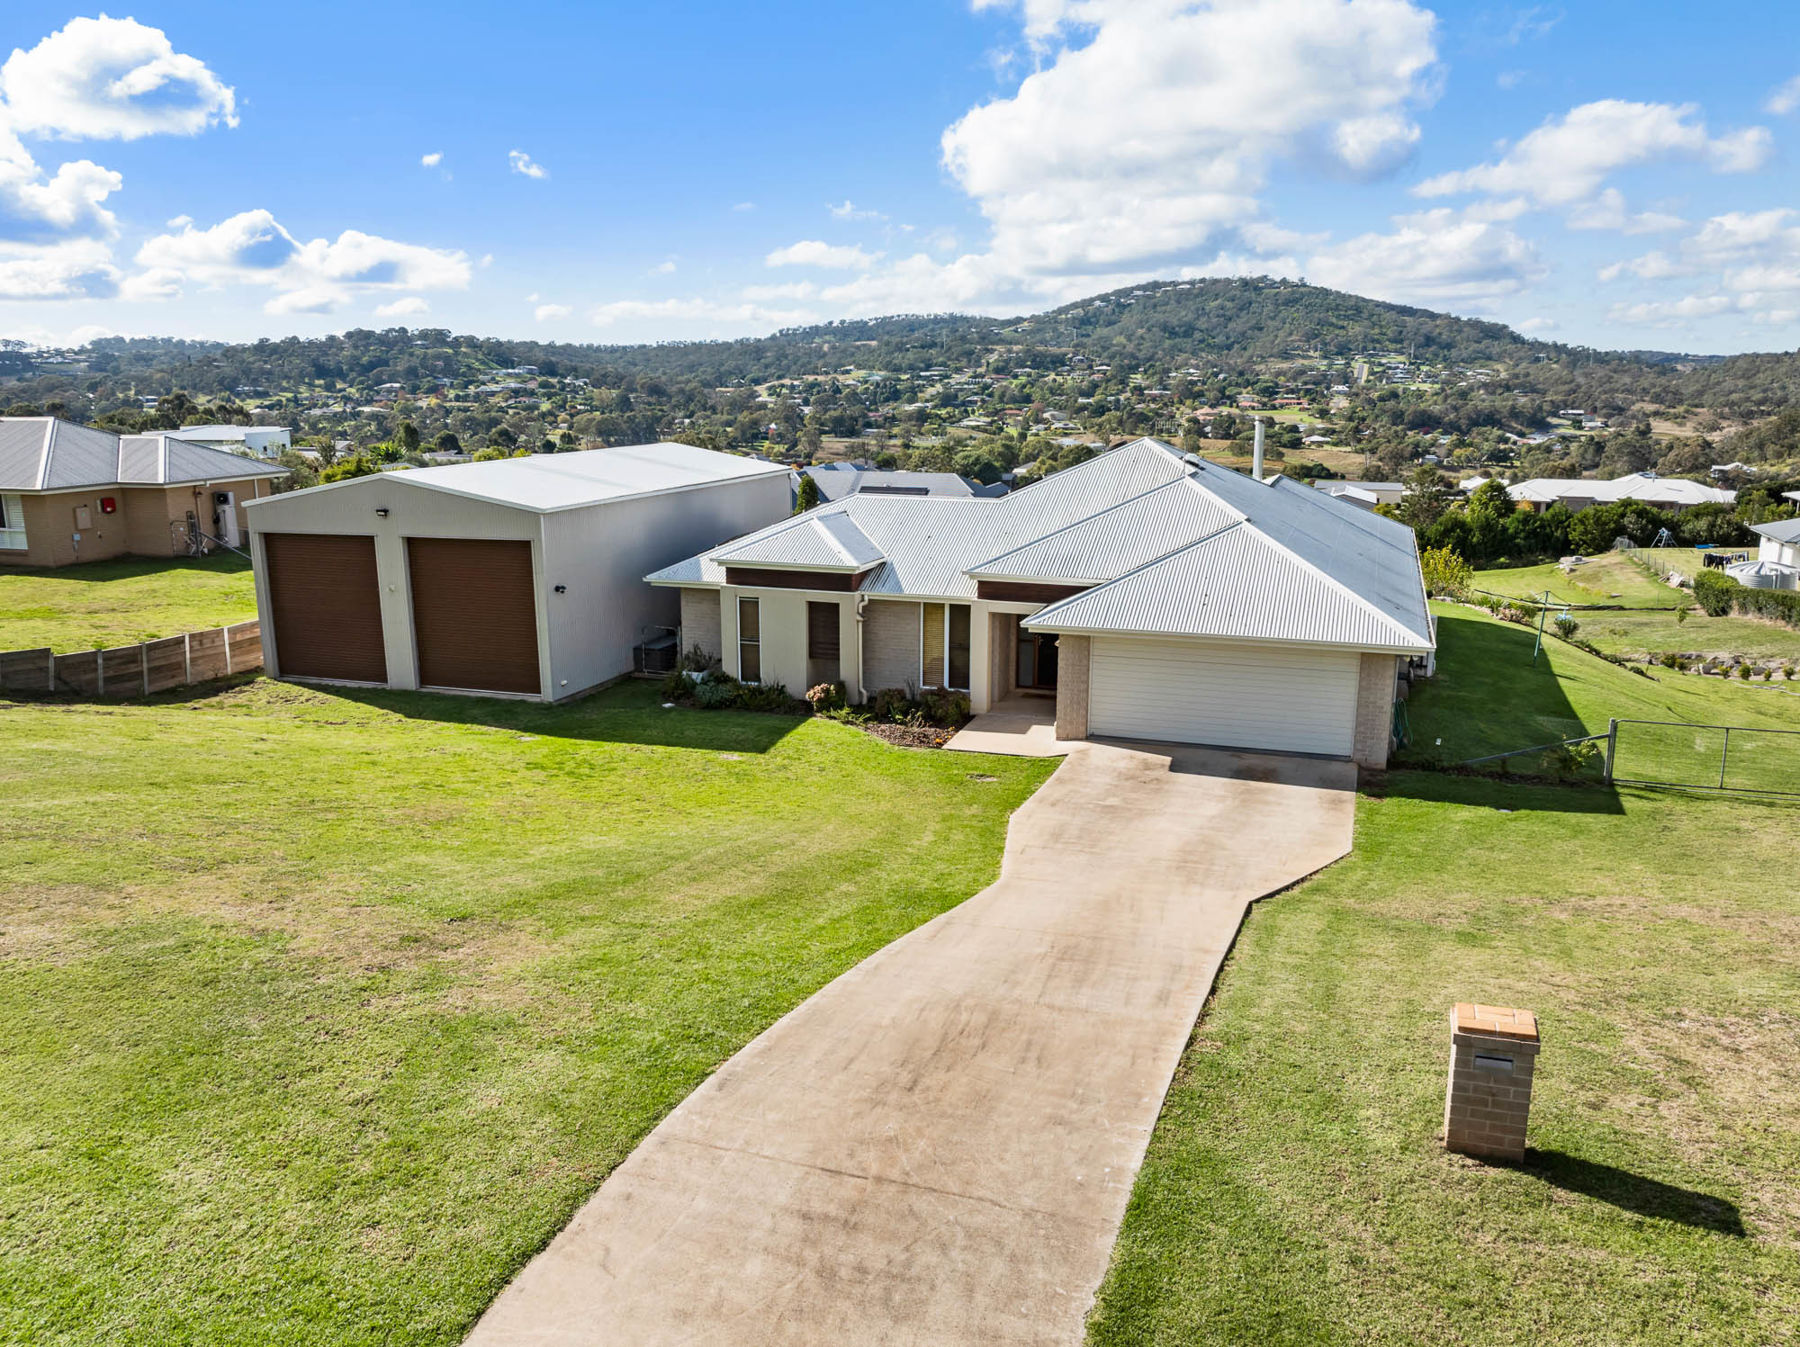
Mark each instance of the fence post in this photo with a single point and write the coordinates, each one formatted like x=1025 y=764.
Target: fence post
x=1612 y=748
x=1724 y=754
x=187 y=658
x=226 y=633
x=100 y=672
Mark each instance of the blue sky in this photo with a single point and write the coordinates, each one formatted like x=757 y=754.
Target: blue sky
x=1601 y=173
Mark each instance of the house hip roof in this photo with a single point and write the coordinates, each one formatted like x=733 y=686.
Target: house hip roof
x=42 y=453
x=1165 y=544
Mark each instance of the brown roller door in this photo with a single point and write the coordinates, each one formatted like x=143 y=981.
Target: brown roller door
x=327 y=606
x=474 y=614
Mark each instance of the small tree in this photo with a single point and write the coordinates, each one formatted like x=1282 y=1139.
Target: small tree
x=807 y=496
x=1446 y=573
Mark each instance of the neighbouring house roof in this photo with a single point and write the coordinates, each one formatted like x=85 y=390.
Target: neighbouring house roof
x=1644 y=486
x=545 y=483
x=229 y=432
x=837 y=480
x=1781 y=531
x=41 y=453
x=1171 y=545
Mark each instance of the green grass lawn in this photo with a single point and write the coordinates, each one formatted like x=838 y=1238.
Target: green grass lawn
x=323 y=1012
x=1489 y=697
x=1639 y=631
x=107 y=603
x=1608 y=578
x=1296 y=1191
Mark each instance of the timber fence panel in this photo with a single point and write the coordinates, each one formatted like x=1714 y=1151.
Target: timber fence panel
x=79 y=673
x=122 y=671
x=165 y=664
x=206 y=655
x=28 y=670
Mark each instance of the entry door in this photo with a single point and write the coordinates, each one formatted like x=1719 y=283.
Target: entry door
x=325 y=602
x=1223 y=693
x=1037 y=661
x=474 y=603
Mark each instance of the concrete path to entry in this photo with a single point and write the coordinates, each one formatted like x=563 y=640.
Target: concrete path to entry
x=937 y=1148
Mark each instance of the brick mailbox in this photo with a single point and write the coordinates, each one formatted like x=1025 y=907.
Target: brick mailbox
x=1493 y=1051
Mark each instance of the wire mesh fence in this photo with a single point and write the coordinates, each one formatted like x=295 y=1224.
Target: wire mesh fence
x=1734 y=758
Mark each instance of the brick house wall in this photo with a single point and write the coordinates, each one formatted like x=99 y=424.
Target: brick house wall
x=1376 y=678
x=700 y=622
x=1072 y=686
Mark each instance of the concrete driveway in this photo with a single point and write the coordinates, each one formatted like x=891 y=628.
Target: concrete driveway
x=937 y=1148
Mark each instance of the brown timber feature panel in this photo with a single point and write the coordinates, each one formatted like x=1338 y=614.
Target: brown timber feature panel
x=763 y=577
x=474 y=604
x=1019 y=591
x=326 y=602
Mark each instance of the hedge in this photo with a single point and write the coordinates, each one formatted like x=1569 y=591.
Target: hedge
x=1718 y=594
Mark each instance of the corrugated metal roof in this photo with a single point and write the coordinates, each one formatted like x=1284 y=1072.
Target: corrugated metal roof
x=1782 y=531
x=22 y=453
x=1117 y=540
x=1324 y=570
x=815 y=541
x=1237 y=585
x=44 y=454
x=545 y=482
x=835 y=483
x=1644 y=486
x=81 y=456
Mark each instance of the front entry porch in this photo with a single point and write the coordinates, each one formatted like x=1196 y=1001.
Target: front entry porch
x=1021 y=725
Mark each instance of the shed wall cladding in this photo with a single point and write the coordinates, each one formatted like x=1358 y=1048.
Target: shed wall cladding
x=890 y=645
x=474 y=604
x=1223 y=693
x=700 y=622
x=326 y=606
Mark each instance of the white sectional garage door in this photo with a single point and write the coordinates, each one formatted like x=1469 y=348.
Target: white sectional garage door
x=1216 y=692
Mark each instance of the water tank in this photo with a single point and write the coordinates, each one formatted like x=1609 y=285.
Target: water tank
x=1765 y=575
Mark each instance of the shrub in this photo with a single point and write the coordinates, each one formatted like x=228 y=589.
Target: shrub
x=1713 y=591
x=944 y=708
x=1744 y=672
x=715 y=696
x=1445 y=572
x=1510 y=613
x=696 y=660
x=890 y=703
x=1566 y=626
x=827 y=696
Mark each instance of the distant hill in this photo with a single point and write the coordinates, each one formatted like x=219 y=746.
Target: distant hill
x=1237 y=324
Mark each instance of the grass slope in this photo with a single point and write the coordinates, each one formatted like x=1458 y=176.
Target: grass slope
x=324 y=1011
x=1296 y=1190
x=108 y=603
x=1489 y=697
x=1640 y=629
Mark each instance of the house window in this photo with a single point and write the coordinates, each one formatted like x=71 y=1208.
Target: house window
x=822 y=644
x=944 y=645
x=749 y=641
x=12 y=523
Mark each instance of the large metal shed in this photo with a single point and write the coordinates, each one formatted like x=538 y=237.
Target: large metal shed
x=519 y=577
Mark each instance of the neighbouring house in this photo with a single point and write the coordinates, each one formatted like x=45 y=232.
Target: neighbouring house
x=1470 y=485
x=837 y=480
x=1151 y=594
x=1780 y=542
x=258 y=441
x=521 y=576
x=1577 y=493
x=1363 y=495
x=72 y=493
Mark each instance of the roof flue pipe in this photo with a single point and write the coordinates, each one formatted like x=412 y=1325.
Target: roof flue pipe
x=1256 y=464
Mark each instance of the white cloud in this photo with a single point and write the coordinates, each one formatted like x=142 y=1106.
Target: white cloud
x=1532 y=326
x=73 y=269
x=1567 y=160
x=1437 y=257
x=404 y=308
x=252 y=248
x=711 y=317
x=1747 y=262
x=743 y=206
x=1784 y=100
x=666 y=267
x=111 y=79
x=1155 y=135
x=431 y=160
x=70 y=203
x=816 y=253
x=545 y=312
x=522 y=163
x=850 y=211
x=1608 y=211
